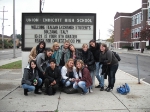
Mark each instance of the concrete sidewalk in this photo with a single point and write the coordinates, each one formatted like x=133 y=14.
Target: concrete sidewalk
x=12 y=98
x=145 y=53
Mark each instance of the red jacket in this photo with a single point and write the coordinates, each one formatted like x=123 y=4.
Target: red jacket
x=86 y=77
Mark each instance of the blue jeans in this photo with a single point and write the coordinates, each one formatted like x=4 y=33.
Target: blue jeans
x=30 y=87
x=102 y=81
x=68 y=83
x=111 y=75
x=98 y=67
x=92 y=73
x=81 y=84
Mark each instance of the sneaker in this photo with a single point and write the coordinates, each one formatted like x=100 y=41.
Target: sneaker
x=86 y=93
x=109 y=90
x=97 y=86
x=90 y=90
x=106 y=88
x=102 y=89
x=37 y=92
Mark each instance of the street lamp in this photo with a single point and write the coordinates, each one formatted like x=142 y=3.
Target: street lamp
x=3 y=35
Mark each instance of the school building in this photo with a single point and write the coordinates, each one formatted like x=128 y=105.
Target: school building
x=134 y=21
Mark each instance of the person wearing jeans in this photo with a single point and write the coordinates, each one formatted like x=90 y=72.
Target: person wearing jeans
x=98 y=71
x=85 y=81
x=110 y=66
x=31 y=80
x=95 y=49
x=88 y=59
x=82 y=85
x=31 y=87
x=111 y=75
x=68 y=73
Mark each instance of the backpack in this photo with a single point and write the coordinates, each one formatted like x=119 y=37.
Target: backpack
x=50 y=90
x=116 y=55
x=124 y=89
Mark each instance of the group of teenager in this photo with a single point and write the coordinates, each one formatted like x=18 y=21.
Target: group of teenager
x=70 y=67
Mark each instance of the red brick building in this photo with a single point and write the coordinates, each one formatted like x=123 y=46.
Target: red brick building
x=127 y=27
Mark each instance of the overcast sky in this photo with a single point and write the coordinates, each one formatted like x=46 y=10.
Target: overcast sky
x=105 y=9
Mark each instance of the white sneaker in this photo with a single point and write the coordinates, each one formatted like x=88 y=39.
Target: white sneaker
x=91 y=91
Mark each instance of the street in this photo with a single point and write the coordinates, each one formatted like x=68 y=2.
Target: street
x=8 y=53
x=128 y=64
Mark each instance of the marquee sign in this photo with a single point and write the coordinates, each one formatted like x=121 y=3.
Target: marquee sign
x=78 y=28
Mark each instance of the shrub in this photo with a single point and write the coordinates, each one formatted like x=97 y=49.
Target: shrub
x=148 y=47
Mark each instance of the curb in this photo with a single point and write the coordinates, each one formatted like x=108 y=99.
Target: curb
x=135 y=77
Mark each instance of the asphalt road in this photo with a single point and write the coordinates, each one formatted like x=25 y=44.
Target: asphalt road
x=128 y=64
x=8 y=53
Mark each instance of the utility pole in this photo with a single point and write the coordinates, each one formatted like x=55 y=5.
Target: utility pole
x=3 y=26
x=40 y=9
x=14 y=35
x=99 y=35
x=41 y=5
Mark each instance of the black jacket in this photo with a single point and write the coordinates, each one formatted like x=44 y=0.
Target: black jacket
x=28 y=76
x=95 y=51
x=88 y=59
x=53 y=74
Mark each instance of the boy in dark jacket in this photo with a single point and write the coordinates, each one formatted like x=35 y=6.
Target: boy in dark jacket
x=52 y=76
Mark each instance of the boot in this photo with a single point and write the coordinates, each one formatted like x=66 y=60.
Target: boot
x=36 y=91
x=26 y=92
x=102 y=89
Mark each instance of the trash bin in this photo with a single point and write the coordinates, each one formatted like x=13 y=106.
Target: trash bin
x=142 y=50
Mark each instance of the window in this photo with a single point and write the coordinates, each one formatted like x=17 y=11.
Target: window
x=142 y=16
x=148 y=13
x=139 y=31
x=136 y=19
x=139 y=18
x=132 y=33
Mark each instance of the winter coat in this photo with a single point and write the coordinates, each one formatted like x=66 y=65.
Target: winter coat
x=108 y=57
x=35 y=51
x=88 y=59
x=95 y=51
x=58 y=55
x=28 y=76
x=86 y=76
x=53 y=74
x=42 y=62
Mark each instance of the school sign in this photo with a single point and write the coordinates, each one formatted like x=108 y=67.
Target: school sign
x=78 y=28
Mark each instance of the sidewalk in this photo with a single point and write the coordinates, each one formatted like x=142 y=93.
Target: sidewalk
x=145 y=53
x=12 y=98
